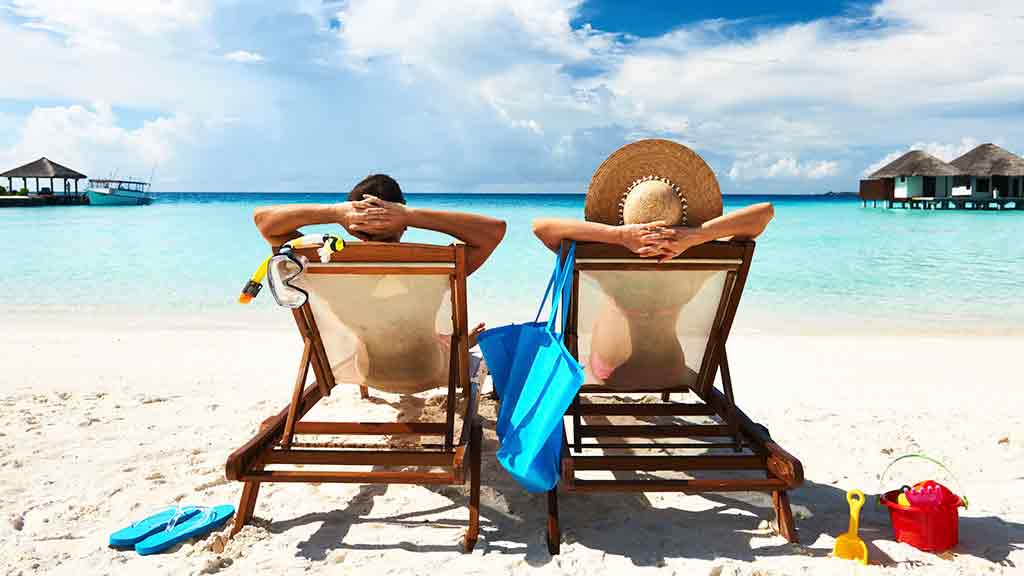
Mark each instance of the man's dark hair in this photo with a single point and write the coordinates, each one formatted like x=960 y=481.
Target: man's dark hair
x=380 y=185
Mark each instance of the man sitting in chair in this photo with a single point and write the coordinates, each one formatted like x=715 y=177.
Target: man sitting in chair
x=405 y=358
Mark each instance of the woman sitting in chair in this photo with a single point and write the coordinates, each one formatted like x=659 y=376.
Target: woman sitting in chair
x=656 y=198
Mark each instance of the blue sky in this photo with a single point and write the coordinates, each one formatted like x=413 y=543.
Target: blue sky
x=501 y=95
x=648 y=18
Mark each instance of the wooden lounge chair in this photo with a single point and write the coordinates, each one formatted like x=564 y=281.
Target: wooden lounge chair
x=657 y=450
x=396 y=273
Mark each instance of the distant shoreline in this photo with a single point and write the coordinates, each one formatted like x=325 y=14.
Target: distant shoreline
x=752 y=321
x=820 y=196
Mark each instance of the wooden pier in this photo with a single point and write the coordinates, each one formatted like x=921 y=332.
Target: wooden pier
x=949 y=203
x=43 y=200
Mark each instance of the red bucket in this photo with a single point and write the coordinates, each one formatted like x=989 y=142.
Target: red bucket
x=932 y=529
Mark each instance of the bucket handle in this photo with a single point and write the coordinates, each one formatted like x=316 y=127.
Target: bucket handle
x=959 y=485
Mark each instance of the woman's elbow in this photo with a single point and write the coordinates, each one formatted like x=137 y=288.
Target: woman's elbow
x=545 y=229
x=542 y=229
x=765 y=213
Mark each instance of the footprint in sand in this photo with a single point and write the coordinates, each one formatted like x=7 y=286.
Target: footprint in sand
x=152 y=399
x=212 y=483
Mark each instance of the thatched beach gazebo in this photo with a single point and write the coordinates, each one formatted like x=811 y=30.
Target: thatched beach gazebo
x=46 y=169
x=915 y=174
x=989 y=171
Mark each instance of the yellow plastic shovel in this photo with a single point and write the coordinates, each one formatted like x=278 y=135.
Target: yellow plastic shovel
x=849 y=545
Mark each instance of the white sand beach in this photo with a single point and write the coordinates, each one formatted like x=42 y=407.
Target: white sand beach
x=106 y=423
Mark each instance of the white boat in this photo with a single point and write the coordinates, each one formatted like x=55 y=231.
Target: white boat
x=119 y=193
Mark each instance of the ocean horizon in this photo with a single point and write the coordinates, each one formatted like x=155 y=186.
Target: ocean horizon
x=824 y=265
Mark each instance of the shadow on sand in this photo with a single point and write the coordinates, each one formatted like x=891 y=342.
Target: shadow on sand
x=513 y=522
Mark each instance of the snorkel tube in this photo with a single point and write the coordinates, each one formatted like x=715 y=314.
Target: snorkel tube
x=255 y=283
x=328 y=245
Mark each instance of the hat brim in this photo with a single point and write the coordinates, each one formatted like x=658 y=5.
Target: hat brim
x=655 y=157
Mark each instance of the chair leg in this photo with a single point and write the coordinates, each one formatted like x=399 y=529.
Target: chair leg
x=784 y=516
x=475 y=447
x=364 y=392
x=246 y=506
x=554 y=534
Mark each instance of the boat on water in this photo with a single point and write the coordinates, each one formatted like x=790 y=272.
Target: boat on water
x=108 y=192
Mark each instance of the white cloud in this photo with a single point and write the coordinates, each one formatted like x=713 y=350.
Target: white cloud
x=767 y=168
x=908 y=50
x=505 y=94
x=177 y=77
x=821 y=169
x=509 y=56
x=471 y=35
x=91 y=140
x=765 y=98
x=108 y=23
x=244 y=56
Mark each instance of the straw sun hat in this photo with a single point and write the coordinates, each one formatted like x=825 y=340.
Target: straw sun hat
x=653 y=180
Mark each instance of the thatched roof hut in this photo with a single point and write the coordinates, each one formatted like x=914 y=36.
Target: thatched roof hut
x=915 y=163
x=44 y=168
x=990 y=160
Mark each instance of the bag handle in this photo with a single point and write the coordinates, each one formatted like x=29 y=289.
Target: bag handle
x=551 y=283
x=959 y=485
x=565 y=273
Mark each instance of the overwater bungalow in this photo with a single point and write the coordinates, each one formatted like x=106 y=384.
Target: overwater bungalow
x=989 y=171
x=40 y=173
x=987 y=177
x=914 y=177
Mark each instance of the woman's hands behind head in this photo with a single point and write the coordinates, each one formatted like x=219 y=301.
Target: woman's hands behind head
x=669 y=242
x=640 y=239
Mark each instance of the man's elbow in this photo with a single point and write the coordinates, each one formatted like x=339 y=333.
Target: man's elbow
x=262 y=216
x=497 y=234
x=259 y=217
x=500 y=228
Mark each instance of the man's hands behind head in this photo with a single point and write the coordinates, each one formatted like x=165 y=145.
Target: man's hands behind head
x=372 y=218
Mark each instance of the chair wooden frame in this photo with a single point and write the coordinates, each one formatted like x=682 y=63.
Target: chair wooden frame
x=277 y=441
x=737 y=431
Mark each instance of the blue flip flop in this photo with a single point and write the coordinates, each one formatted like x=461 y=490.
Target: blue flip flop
x=129 y=536
x=208 y=520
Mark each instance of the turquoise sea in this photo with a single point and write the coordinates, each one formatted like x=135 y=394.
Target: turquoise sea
x=824 y=264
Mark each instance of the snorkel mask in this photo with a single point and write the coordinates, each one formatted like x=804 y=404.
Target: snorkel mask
x=285 y=266
x=282 y=270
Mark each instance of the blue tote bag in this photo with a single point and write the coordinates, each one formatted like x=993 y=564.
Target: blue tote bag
x=548 y=378
x=498 y=346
